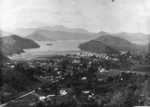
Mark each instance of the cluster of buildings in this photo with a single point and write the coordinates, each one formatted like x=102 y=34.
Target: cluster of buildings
x=73 y=75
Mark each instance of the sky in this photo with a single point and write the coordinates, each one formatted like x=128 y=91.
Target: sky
x=93 y=15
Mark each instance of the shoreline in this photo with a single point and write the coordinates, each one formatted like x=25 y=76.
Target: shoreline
x=31 y=56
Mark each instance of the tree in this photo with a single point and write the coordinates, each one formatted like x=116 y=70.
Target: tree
x=117 y=99
x=146 y=93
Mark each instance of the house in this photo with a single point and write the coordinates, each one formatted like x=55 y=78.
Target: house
x=66 y=89
x=63 y=92
x=86 y=92
x=102 y=70
x=12 y=66
x=42 y=98
x=83 y=78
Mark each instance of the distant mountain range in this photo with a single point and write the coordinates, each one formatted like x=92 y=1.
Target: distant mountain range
x=127 y=36
x=133 y=36
x=63 y=33
x=109 y=44
x=65 y=29
x=36 y=36
x=14 y=44
x=60 y=35
x=60 y=32
x=28 y=31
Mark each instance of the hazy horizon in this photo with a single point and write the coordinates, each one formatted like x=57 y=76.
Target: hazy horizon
x=38 y=27
x=92 y=15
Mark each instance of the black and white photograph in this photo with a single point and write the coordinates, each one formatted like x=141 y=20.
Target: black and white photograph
x=74 y=53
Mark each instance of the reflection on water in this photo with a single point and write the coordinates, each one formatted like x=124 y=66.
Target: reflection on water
x=57 y=46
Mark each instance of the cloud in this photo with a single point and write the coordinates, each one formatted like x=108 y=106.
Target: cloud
x=95 y=15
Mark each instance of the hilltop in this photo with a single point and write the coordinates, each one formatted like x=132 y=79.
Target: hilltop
x=97 y=47
x=14 y=44
x=117 y=43
x=109 y=44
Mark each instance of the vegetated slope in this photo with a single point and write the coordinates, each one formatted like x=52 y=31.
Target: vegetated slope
x=3 y=58
x=127 y=36
x=117 y=43
x=97 y=47
x=14 y=44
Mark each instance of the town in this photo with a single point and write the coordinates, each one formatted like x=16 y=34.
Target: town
x=74 y=53
x=77 y=80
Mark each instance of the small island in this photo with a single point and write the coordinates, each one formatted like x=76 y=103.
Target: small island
x=49 y=44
